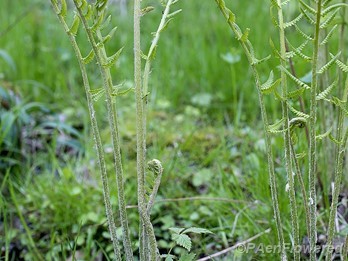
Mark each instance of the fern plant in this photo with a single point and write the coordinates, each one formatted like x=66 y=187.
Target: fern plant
x=94 y=20
x=324 y=68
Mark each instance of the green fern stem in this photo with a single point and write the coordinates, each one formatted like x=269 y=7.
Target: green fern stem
x=96 y=136
x=339 y=165
x=149 y=57
x=141 y=141
x=312 y=133
x=286 y=135
x=107 y=83
x=229 y=16
x=303 y=188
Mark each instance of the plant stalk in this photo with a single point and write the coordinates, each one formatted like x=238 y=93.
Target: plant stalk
x=100 y=55
x=145 y=223
x=312 y=133
x=272 y=177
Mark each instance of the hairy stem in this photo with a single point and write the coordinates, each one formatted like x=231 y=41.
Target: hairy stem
x=141 y=142
x=339 y=165
x=96 y=136
x=100 y=55
x=312 y=141
x=286 y=136
x=273 y=182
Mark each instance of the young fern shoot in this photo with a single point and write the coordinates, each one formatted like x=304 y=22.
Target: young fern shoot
x=262 y=89
x=148 y=245
x=86 y=14
x=286 y=127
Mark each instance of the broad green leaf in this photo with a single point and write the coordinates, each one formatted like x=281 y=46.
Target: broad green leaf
x=182 y=240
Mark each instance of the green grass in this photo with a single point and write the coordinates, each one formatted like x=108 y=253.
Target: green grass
x=212 y=148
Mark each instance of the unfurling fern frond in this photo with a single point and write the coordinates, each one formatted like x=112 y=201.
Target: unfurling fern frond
x=269 y=86
x=275 y=128
x=297 y=112
x=294 y=79
x=329 y=63
x=323 y=95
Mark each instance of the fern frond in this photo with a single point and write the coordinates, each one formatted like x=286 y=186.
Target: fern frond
x=298 y=51
x=274 y=128
x=97 y=93
x=113 y=59
x=266 y=86
x=334 y=139
x=89 y=57
x=82 y=5
x=75 y=25
x=306 y=7
x=303 y=34
x=332 y=7
x=275 y=50
x=341 y=65
x=327 y=38
x=329 y=19
x=258 y=61
x=339 y=103
x=326 y=2
x=323 y=95
x=297 y=112
x=295 y=94
x=245 y=35
x=309 y=19
x=97 y=24
x=88 y=14
x=329 y=63
x=294 y=79
x=324 y=135
x=63 y=8
x=293 y=22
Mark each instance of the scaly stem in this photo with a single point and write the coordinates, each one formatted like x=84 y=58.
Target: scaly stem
x=272 y=177
x=101 y=58
x=312 y=142
x=141 y=142
x=96 y=136
x=286 y=137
